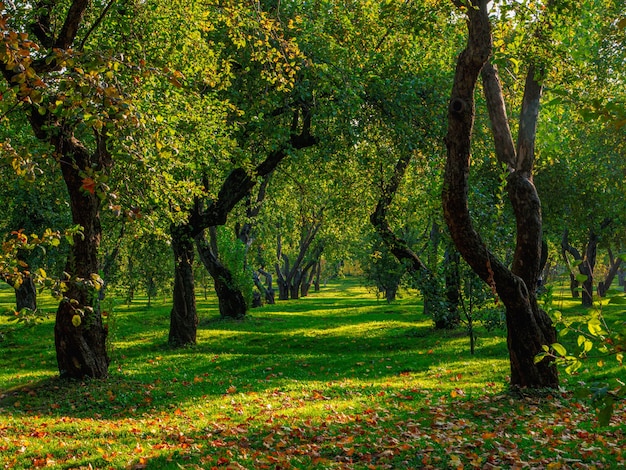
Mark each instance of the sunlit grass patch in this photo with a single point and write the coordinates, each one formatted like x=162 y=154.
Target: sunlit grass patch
x=336 y=380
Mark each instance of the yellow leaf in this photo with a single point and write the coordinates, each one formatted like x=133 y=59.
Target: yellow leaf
x=76 y=320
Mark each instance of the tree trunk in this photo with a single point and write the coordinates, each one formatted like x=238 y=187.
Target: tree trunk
x=268 y=289
x=587 y=268
x=308 y=279
x=614 y=267
x=565 y=249
x=318 y=274
x=434 y=303
x=529 y=328
x=183 y=316
x=294 y=285
x=232 y=303
x=26 y=294
x=80 y=335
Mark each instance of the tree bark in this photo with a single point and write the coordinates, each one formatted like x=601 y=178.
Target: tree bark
x=235 y=187
x=183 y=316
x=587 y=268
x=291 y=276
x=528 y=328
x=26 y=294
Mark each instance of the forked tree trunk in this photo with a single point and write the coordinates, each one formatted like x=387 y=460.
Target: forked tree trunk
x=529 y=328
x=268 y=288
x=614 y=267
x=184 y=315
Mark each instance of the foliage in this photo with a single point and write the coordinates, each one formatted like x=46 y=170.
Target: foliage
x=478 y=305
x=232 y=253
x=598 y=341
x=383 y=271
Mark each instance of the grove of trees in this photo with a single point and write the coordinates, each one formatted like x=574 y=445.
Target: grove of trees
x=144 y=144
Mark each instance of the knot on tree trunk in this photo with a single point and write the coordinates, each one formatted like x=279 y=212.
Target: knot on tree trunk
x=458 y=106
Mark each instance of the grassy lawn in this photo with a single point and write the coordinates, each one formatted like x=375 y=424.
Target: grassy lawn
x=336 y=380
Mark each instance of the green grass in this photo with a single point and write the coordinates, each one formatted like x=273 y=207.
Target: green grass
x=335 y=380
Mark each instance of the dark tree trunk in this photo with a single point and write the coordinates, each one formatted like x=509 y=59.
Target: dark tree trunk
x=80 y=335
x=26 y=294
x=614 y=267
x=268 y=289
x=294 y=285
x=283 y=281
x=529 y=328
x=391 y=293
x=291 y=277
x=232 y=303
x=308 y=280
x=587 y=268
x=183 y=316
x=235 y=187
x=318 y=274
x=565 y=249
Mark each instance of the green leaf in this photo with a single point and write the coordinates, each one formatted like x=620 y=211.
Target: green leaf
x=539 y=357
x=595 y=327
x=559 y=349
x=581 y=277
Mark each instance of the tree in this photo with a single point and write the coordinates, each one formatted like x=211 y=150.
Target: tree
x=67 y=91
x=528 y=327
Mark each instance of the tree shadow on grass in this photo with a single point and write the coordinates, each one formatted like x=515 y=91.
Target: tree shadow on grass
x=169 y=377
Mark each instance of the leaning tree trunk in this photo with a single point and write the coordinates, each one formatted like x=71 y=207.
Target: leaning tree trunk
x=424 y=277
x=183 y=316
x=614 y=267
x=80 y=336
x=529 y=328
x=232 y=303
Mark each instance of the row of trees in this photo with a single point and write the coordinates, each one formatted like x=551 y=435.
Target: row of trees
x=275 y=140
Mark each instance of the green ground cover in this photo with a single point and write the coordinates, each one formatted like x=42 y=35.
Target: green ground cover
x=335 y=380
